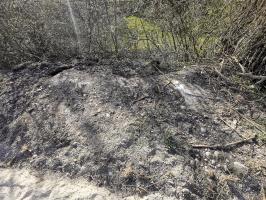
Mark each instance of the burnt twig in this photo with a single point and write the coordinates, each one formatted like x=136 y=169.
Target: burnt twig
x=254 y=77
x=229 y=146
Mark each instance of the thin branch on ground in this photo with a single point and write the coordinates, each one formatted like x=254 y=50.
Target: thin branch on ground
x=259 y=127
x=233 y=129
x=229 y=146
x=140 y=99
x=254 y=77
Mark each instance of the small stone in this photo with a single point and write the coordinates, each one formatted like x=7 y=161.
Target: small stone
x=218 y=155
x=177 y=171
x=203 y=130
x=34 y=156
x=186 y=194
x=252 y=86
x=75 y=144
x=185 y=191
x=238 y=169
x=192 y=163
x=208 y=154
x=182 y=107
x=225 y=168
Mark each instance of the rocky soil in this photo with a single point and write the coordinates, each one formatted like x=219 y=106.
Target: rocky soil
x=133 y=129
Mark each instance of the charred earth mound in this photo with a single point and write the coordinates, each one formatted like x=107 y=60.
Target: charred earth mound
x=132 y=127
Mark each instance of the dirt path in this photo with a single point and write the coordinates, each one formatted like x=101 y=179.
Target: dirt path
x=23 y=184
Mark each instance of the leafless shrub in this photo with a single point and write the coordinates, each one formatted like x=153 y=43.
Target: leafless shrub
x=246 y=38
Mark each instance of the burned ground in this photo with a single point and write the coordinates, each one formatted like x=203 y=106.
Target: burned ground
x=131 y=128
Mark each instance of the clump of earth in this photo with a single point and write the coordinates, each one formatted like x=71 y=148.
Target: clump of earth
x=133 y=129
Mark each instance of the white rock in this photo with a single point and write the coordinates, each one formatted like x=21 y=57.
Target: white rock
x=182 y=107
x=185 y=191
x=208 y=154
x=203 y=130
x=218 y=155
x=238 y=168
x=177 y=171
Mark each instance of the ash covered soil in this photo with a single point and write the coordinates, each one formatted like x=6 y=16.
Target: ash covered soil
x=134 y=128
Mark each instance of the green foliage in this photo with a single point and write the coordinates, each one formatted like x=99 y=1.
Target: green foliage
x=144 y=32
x=192 y=29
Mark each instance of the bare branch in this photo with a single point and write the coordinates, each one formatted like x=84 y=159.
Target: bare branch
x=228 y=146
x=238 y=63
x=254 y=77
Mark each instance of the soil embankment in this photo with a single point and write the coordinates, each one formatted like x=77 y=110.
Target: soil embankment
x=133 y=128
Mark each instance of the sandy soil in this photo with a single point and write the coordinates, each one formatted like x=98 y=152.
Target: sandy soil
x=24 y=184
